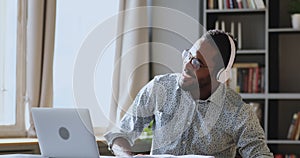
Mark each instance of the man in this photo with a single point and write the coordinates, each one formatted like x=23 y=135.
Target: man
x=194 y=112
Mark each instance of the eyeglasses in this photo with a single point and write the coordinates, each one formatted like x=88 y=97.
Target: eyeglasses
x=195 y=62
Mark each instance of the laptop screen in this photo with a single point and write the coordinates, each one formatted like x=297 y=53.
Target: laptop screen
x=65 y=132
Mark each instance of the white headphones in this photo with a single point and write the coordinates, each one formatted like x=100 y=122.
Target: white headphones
x=224 y=74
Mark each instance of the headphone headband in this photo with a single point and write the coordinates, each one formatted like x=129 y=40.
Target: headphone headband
x=224 y=74
x=232 y=54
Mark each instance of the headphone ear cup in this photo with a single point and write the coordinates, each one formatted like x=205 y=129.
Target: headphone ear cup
x=220 y=75
x=223 y=75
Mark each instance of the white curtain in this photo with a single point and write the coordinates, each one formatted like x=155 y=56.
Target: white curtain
x=131 y=71
x=39 y=55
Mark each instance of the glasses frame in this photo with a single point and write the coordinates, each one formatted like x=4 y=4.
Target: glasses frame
x=195 y=62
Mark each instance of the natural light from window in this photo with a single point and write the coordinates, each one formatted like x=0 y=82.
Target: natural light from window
x=8 y=42
x=74 y=20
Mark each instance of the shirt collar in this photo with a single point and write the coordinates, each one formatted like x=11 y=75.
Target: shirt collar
x=218 y=96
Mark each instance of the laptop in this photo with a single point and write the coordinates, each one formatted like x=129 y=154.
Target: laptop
x=65 y=132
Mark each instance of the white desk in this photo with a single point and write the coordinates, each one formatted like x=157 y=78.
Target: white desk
x=137 y=156
x=21 y=156
x=34 y=156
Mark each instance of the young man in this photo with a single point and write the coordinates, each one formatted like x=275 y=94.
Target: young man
x=194 y=112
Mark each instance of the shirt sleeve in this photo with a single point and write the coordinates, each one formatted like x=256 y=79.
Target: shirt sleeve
x=138 y=116
x=249 y=134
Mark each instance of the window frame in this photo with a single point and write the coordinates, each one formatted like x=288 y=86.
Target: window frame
x=18 y=129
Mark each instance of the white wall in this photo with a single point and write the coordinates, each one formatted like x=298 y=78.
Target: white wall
x=168 y=44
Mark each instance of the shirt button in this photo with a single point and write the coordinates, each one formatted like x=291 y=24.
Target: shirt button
x=189 y=123
x=183 y=142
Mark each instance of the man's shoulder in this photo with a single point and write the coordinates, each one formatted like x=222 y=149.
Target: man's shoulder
x=169 y=78
x=234 y=99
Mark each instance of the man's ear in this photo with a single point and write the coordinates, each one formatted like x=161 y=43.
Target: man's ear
x=214 y=73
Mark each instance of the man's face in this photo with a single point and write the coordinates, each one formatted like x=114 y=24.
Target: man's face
x=193 y=77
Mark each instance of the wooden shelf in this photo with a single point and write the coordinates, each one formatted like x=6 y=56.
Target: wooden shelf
x=253 y=95
x=251 y=51
x=217 y=11
x=284 y=30
x=278 y=96
x=283 y=141
x=283 y=96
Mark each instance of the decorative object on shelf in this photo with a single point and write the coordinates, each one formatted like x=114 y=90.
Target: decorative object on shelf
x=294 y=129
x=294 y=10
x=257 y=108
x=239 y=35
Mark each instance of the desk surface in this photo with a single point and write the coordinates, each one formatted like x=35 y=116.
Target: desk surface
x=137 y=156
x=34 y=156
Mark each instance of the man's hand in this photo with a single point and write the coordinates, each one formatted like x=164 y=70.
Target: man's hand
x=121 y=147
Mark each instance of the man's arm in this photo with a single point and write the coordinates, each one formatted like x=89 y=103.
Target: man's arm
x=138 y=116
x=121 y=147
x=249 y=134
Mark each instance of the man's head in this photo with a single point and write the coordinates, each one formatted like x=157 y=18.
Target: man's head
x=209 y=56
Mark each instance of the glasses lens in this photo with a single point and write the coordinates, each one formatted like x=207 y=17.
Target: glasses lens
x=195 y=63
x=184 y=54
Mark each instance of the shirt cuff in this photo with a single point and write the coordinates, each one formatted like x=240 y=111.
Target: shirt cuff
x=110 y=137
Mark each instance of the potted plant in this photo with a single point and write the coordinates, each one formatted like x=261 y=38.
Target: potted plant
x=294 y=10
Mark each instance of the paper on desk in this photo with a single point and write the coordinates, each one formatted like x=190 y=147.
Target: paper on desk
x=172 y=156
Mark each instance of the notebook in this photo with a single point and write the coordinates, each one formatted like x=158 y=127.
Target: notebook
x=65 y=132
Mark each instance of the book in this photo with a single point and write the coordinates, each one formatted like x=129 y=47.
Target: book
x=251 y=4
x=216 y=4
x=220 y=4
x=259 y=4
x=245 y=4
x=231 y=4
x=235 y=4
x=239 y=4
x=262 y=80
x=210 y=4
x=256 y=80
x=225 y=4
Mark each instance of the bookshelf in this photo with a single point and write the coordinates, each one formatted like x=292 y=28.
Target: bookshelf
x=267 y=39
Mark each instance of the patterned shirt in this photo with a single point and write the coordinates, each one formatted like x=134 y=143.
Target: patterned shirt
x=218 y=126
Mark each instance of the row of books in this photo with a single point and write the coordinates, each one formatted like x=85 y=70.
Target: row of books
x=294 y=129
x=232 y=4
x=247 y=78
x=286 y=156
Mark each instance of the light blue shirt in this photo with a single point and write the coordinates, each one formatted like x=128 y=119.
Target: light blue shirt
x=217 y=126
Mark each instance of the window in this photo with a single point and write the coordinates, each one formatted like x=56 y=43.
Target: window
x=8 y=32
x=74 y=20
x=11 y=110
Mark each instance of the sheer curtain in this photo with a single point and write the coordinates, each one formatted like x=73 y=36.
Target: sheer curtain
x=39 y=55
x=131 y=71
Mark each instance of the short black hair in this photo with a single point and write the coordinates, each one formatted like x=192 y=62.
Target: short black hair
x=220 y=39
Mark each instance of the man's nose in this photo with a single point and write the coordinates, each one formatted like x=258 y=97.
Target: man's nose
x=188 y=65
